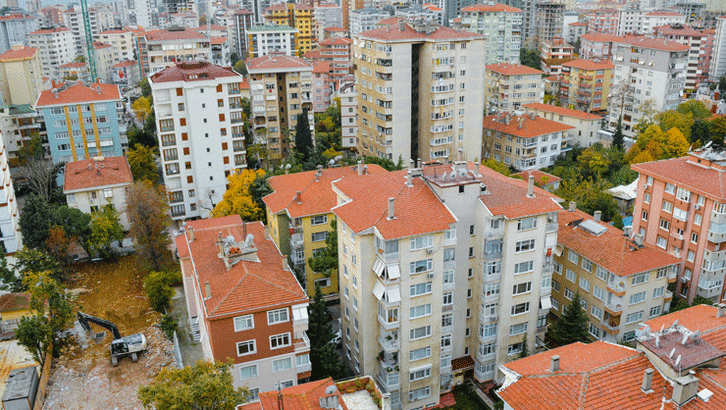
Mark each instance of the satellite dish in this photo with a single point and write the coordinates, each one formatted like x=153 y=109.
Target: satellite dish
x=674 y=323
x=288 y=166
x=661 y=327
x=685 y=338
x=678 y=360
x=331 y=162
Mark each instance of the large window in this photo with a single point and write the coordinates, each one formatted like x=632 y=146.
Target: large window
x=573 y=257
x=418 y=394
x=319 y=236
x=420 y=289
x=570 y=275
x=637 y=298
x=585 y=284
x=277 y=316
x=520 y=308
x=448 y=298
x=422 y=242
x=634 y=317
x=243 y=323
x=527 y=223
x=598 y=292
x=525 y=246
x=420 y=332
x=420 y=311
x=491 y=289
x=319 y=220
x=421 y=266
x=488 y=330
x=419 y=373
x=446 y=340
x=302 y=360
x=419 y=354
x=523 y=267
x=281 y=365
x=487 y=349
x=515 y=348
x=518 y=329
x=248 y=372
x=641 y=278
x=520 y=288
x=278 y=341
x=247 y=347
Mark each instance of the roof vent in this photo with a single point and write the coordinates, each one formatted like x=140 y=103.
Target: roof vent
x=638 y=239
x=721 y=310
x=597 y=216
x=530 y=187
x=573 y=206
x=555 y=363
x=391 y=210
x=647 y=381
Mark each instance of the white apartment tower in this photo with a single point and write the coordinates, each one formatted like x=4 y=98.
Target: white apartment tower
x=718 y=60
x=501 y=25
x=420 y=91
x=199 y=122
x=442 y=269
x=55 y=48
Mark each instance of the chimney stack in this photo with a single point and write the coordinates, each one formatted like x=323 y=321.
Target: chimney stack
x=401 y=25
x=409 y=179
x=530 y=187
x=638 y=239
x=573 y=206
x=207 y=290
x=597 y=216
x=721 y=310
x=647 y=381
x=298 y=197
x=360 y=167
x=365 y=169
x=555 y=363
x=685 y=388
x=391 y=213
x=418 y=163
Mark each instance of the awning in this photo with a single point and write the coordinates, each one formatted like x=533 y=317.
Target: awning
x=558 y=250
x=394 y=272
x=379 y=290
x=393 y=295
x=378 y=266
x=545 y=302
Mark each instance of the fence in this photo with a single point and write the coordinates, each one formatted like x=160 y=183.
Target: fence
x=43 y=382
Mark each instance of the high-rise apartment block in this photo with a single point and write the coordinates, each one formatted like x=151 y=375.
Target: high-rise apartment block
x=242 y=20
x=14 y=29
x=621 y=281
x=73 y=20
x=431 y=108
x=501 y=26
x=300 y=17
x=442 y=269
x=646 y=69
x=55 y=47
x=11 y=238
x=698 y=42
x=660 y=18
x=348 y=95
x=630 y=21
x=159 y=49
x=201 y=138
x=681 y=209
x=271 y=38
x=585 y=84
x=366 y=19
x=509 y=86
x=603 y=20
x=338 y=52
x=597 y=45
x=549 y=20
x=718 y=59
x=121 y=41
x=21 y=79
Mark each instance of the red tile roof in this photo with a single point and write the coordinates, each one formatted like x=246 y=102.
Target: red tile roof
x=248 y=286
x=665 y=14
x=193 y=71
x=316 y=198
x=530 y=127
x=125 y=63
x=655 y=43
x=313 y=55
x=212 y=27
x=539 y=176
x=492 y=8
x=321 y=66
x=166 y=35
x=512 y=69
x=686 y=172
x=602 y=37
x=301 y=397
x=89 y=173
x=10 y=302
x=391 y=32
x=98 y=44
x=73 y=64
x=18 y=53
x=611 y=250
x=277 y=61
x=583 y=64
x=577 y=23
x=696 y=318
x=681 y=30
x=417 y=210
x=334 y=29
x=563 y=111
x=79 y=94
x=217 y=40
x=336 y=41
x=461 y=363
x=50 y=30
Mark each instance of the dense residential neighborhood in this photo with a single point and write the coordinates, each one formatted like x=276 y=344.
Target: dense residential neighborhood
x=361 y=205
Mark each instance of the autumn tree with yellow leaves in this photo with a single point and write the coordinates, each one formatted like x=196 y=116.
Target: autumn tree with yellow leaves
x=653 y=144
x=239 y=198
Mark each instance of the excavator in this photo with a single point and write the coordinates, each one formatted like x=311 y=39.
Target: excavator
x=121 y=346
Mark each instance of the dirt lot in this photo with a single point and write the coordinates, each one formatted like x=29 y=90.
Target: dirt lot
x=83 y=377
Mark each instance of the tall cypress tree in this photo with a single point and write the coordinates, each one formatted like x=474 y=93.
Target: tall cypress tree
x=618 y=139
x=303 y=136
x=572 y=325
x=320 y=332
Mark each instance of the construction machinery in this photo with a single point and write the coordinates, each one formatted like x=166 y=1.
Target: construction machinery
x=120 y=345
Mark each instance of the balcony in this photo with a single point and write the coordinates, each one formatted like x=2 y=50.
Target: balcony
x=668 y=295
x=610 y=329
x=296 y=241
x=672 y=276
x=614 y=308
x=388 y=341
x=617 y=287
x=388 y=380
x=302 y=345
x=717 y=231
x=390 y=323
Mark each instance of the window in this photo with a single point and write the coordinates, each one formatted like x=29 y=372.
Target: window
x=448 y=298
x=322 y=283
x=694 y=237
x=520 y=309
x=488 y=330
x=667 y=206
x=518 y=329
x=587 y=265
x=243 y=323
x=569 y=294
x=527 y=223
x=546 y=281
x=421 y=266
x=691 y=256
x=596 y=312
x=680 y=214
x=422 y=242
x=419 y=373
x=585 y=284
x=515 y=348
x=523 y=267
x=522 y=288
x=449 y=254
x=319 y=236
x=637 y=298
x=598 y=292
x=419 y=394
x=661 y=242
x=420 y=311
x=573 y=257
x=594 y=330
x=448 y=277
x=494 y=268
x=683 y=194
x=446 y=340
x=655 y=311
x=491 y=289
x=419 y=354
x=281 y=365
x=319 y=220
x=278 y=341
x=670 y=188
x=658 y=292
x=570 y=275
x=248 y=372
x=277 y=316
x=420 y=332
x=646 y=198
x=420 y=289
x=664 y=224
x=601 y=274
x=247 y=347
x=661 y=273
x=525 y=246
x=487 y=349
x=558 y=268
x=644 y=215
x=634 y=317
x=641 y=278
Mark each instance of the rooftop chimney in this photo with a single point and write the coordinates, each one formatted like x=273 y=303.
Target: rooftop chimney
x=401 y=25
x=418 y=163
x=721 y=310
x=409 y=180
x=365 y=169
x=207 y=290
x=298 y=197
x=638 y=239
x=555 y=363
x=573 y=206
x=461 y=154
x=391 y=214
x=647 y=381
x=597 y=216
x=190 y=233
x=685 y=388
x=360 y=167
x=530 y=187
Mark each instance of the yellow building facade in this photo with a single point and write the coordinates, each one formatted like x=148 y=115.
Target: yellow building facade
x=300 y=17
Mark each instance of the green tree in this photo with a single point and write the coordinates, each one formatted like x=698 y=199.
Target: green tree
x=202 y=20
x=138 y=136
x=571 y=327
x=718 y=130
x=618 y=221
x=143 y=163
x=525 y=347
x=147 y=210
x=75 y=223
x=325 y=261
x=673 y=119
x=35 y=334
x=29 y=260
x=158 y=286
x=233 y=58
x=384 y=163
x=529 y=58
x=589 y=196
x=204 y=386
x=618 y=138
x=105 y=229
x=59 y=245
x=497 y=166
x=36 y=219
x=320 y=332
x=303 y=136
x=240 y=67
x=31 y=150
x=258 y=189
x=238 y=198
x=145 y=87
x=80 y=59
x=701 y=132
x=695 y=108
x=653 y=144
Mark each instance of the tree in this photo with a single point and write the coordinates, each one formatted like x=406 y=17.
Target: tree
x=80 y=59
x=59 y=247
x=701 y=132
x=695 y=108
x=303 y=136
x=142 y=109
x=529 y=58
x=28 y=261
x=138 y=136
x=31 y=150
x=525 y=348
x=36 y=219
x=718 y=130
x=204 y=386
x=572 y=325
x=384 y=163
x=41 y=177
x=233 y=58
x=35 y=334
x=238 y=200
x=240 y=67
x=589 y=196
x=618 y=138
x=497 y=166
x=145 y=88
x=143 y=163
x=653 y=144
x=672 y=119
x=325 y=261
x=258 y=190
x=202 y=20
x=320 y=333
x=105 y=229
x=75 y=223
x=618 y=221
x=158 y=286
x=147 y=210
x=593 y=162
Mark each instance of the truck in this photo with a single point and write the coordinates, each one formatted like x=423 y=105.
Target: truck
x=121 y=346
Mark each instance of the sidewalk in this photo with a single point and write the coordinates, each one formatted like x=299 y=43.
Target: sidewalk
x=191 y=351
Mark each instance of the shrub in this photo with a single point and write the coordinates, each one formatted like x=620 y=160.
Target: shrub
x=159 y=290
x=169 y=325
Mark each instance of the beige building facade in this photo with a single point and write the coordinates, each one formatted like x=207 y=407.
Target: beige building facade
x=510 y=86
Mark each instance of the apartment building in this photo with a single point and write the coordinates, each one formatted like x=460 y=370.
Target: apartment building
x=717 y=68
x=431 y=112
x=18 y=123
x=697 y=41
x=75 y=70
x=242 y=20
x=281 y=86
x=126 y=74
x=574 y=32
x=477 y=283
x=14 y=29
x=299 y=216
x=159 y=49
x=300 y=17
x=524 y=142
x=586 y=126
x=11 y=240
x=603 y=20
x=81 y=120
x=598 y=45
x=585 y=84
x=348 y=95
x=244 y=303
x=91 y=184
x=121 y=41
x=630 y=21
x=348 y=7
x=620 y=281
x=327 y=15
x=501 y=26
x=55 y=48
x=199 y=122
x=20 y=76
x=646 y=69
x=322 y=86
x=103 y=54
x=680 y=209
x=660 y=18
x=73 y=20
x=553 y=54
x=509 y=86
x=272 y=38
x=548 y=20
x=366 y=19
x=339 y=53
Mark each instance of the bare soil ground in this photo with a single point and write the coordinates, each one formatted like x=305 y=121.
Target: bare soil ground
x=83 y=378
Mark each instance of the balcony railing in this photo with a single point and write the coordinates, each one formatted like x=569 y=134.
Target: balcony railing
x=388 y=342
x=302 y=344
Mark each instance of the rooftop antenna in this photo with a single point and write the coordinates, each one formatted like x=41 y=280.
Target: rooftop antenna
x=678 y=360
x=670 y=355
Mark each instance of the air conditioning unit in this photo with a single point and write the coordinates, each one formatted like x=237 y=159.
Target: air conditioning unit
x=430 y=251
x=431 y=275
x=697 y=207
